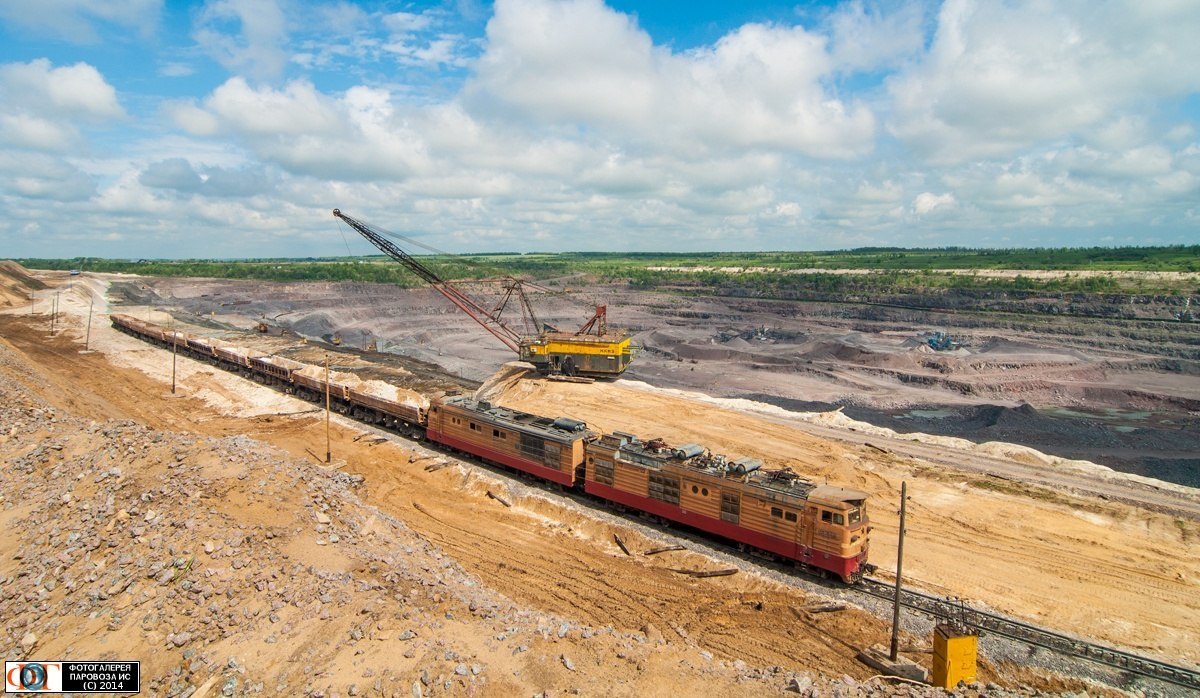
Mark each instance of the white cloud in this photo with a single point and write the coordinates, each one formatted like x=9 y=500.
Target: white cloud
x=191 y=118
x=178 y=176
x=1146 y=161
x=27 y=131
x=407 y=22
x=173 y=173
x=443 y=49
x=245 y=35
x=76 y=91
x=787 y=209
x=43 y=177
x=867 y=37
x=351 y=37
x=1178 y=183
x=927 y=202
x=888 y=192
x=175 y=69
x=579 y=64
x=1023 y=123
x=297 y=110
x=1001 y=77
x=356 y=137
x=43 y=107
x=77 y=20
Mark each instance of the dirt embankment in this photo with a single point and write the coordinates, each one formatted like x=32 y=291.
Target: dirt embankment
x=422 y=580
x=224 y=563
x=155 y=527
x=16 y=284
x=1027 y=551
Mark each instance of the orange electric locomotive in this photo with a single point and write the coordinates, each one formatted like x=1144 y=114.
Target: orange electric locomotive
x=820 y=527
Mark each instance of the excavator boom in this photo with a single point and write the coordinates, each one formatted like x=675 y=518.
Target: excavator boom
x=592 y=351
x=489 y=320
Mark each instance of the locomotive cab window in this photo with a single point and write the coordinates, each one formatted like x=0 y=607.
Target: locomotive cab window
x=826 y=516
x=789 y=516
x=777 y=512
x=854 y=515
x=839 y=520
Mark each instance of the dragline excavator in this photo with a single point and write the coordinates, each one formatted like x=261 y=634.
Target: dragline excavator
x=591 y=351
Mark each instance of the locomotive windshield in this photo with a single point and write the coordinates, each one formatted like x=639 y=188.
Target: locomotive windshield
x=854 y=516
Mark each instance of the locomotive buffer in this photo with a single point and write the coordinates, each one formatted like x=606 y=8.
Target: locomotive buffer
x=591 y=351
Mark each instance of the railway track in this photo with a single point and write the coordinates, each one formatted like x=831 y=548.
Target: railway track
x=948 y=609
x=1137 y=494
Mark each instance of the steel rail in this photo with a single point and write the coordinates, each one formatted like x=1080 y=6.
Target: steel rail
x=954 y=610
x=957 y=610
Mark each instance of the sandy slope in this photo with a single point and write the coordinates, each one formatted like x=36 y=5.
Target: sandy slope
x=1101 y=569
x=292 y=579
x=1098 y=568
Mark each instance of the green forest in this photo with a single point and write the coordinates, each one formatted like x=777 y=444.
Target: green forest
x=889 y=269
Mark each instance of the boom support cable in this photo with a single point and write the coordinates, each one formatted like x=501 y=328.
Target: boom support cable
x=489 y=319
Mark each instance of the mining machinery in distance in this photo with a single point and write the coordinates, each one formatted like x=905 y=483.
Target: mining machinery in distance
x=592 y=351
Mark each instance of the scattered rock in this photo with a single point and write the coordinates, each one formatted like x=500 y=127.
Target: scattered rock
x=180 y=639
x=799 y=684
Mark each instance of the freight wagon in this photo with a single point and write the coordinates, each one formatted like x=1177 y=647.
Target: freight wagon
x=312 y=387
x=277 y=367
x=389 y=413
x=819 y=527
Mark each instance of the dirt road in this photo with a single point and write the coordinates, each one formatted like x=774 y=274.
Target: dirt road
x=1021 y=465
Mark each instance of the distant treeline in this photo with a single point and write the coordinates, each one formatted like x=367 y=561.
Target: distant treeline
x=363 y=270
x=877 y=286
x=1181 y=258
x=896 y=269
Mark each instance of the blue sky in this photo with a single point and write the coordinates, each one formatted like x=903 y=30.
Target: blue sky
x=230 y=128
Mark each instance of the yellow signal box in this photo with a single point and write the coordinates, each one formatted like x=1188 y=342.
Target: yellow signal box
x=954 y=654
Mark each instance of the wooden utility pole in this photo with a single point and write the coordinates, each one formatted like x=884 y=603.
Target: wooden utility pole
x=174 y=352
x=87 y=341
x=327 y=456
x=899 y=564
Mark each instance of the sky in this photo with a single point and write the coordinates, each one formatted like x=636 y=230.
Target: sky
x=232 y=128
